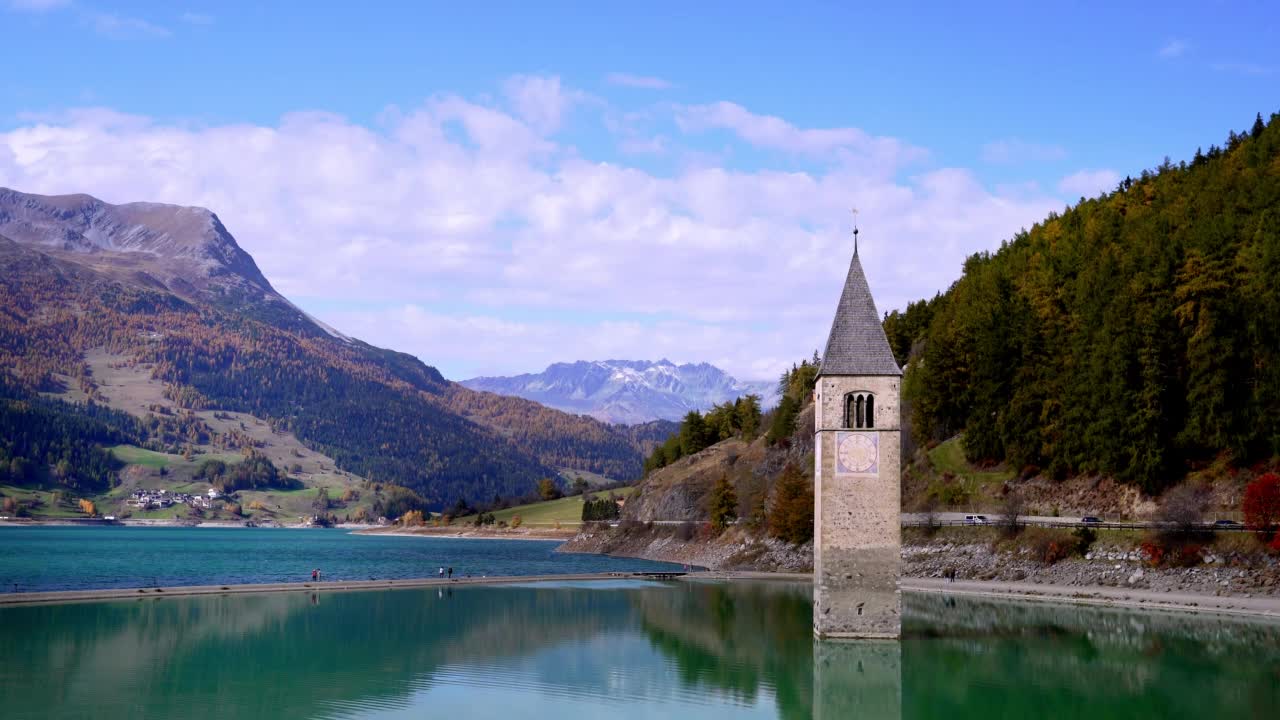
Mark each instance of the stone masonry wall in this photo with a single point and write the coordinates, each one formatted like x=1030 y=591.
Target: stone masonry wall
x=857 y=533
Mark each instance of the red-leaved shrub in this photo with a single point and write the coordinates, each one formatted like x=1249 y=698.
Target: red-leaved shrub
x=1053 y=552
x=1261 y=504
x=1188 y=555
x=1154 y=552
x=1163 y=551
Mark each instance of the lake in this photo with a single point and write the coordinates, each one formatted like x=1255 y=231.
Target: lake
x=619 y=649
x=81 y=558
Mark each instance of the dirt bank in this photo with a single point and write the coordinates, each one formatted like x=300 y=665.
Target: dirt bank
x=735 y=549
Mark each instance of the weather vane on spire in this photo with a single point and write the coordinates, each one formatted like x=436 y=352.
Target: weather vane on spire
x=855 y=230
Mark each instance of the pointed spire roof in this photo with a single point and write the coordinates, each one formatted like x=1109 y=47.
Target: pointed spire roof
x=857 y=344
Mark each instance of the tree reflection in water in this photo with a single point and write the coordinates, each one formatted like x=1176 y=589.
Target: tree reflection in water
x=738 y=638
x=626 y=649
x=974 y=658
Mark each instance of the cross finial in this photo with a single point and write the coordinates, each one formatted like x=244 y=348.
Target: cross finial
x=855 y=230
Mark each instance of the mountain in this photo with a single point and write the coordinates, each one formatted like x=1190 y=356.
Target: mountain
x=627 y=391
x=184 y=250
x=165 y=295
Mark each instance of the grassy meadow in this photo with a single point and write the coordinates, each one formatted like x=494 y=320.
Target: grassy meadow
x=567 y=512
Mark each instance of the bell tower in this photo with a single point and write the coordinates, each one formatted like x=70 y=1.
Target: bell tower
x=857 y=474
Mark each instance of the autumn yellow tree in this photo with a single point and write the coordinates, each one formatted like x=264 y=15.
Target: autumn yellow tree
x=791 y=517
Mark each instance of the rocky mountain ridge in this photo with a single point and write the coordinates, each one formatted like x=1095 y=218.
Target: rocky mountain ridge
x=192 y=237
x=184 y=250
x=627 y=391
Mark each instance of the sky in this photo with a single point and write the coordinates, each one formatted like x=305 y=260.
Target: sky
x=497 y=186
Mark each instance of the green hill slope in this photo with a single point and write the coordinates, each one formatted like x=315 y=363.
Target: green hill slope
x=565 y=512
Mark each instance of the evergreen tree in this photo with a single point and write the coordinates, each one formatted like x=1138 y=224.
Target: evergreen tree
x=321 y=503
x=746 y=412
x=784 y=420
x=723 y=503
x=694 y=434
x=549 y=490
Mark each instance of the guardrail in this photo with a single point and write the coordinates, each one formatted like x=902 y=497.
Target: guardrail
x=997 y=521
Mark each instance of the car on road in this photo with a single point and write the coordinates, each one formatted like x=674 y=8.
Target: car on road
x=1090 y=520
x=1226 y=524
x=975 y=519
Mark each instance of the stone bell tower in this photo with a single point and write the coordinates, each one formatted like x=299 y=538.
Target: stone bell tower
x=857 y=477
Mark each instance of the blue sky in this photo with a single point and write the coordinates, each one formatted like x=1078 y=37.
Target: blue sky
x=556 y=169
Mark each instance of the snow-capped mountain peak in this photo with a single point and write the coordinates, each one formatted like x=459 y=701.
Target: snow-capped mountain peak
x=627 y=391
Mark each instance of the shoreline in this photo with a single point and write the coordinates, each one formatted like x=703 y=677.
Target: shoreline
x=56 y=597
x=1266 y=608
x=209 y=524
x=532 y=533
x=560 y=536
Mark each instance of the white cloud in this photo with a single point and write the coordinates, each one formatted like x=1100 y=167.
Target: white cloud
x=767 y=131
x=458 y=232
x=540 y=100
x=637 y=81
x=194 y=18
x=104 y=23
x=119 y=26
x=1244 y=68
x=492 y=341
x=1172 y=49
x=38 y=5
x=1088 y=183
x=656 y=145
x=1012 y=150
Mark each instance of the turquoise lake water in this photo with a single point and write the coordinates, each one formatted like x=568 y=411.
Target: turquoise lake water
x=622 y=649
x=78 y=558
x=618 y=649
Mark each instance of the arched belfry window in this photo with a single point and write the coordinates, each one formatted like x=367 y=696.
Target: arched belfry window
x=859 y=410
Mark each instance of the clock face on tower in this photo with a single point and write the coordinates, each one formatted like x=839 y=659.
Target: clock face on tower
x=858 y=453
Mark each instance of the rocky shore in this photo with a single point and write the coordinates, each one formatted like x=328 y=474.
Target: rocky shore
x=1232 y=573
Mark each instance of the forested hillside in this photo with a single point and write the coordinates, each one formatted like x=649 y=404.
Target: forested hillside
x=50 y=441
x=559 y=439
x=1135 y=335
x=375 y=416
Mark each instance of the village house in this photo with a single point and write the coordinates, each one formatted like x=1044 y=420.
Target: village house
x=148 y=499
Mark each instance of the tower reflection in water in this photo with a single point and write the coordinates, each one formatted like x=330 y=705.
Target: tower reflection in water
x=857 y=679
